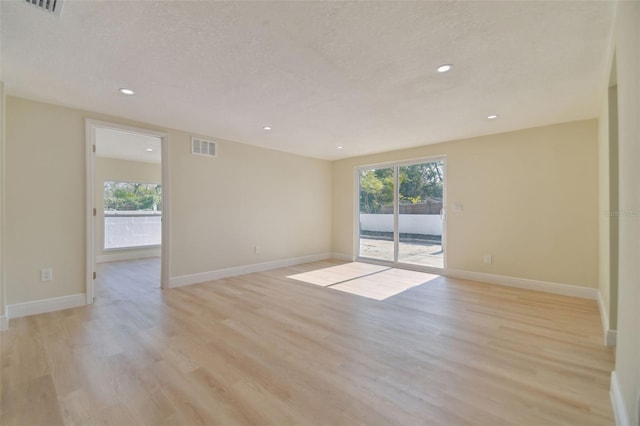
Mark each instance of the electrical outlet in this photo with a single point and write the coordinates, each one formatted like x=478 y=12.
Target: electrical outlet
x=46 y=274
x=257 y=249
x=487 y=259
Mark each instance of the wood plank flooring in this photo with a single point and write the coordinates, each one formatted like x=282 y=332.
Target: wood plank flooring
x=264 y=349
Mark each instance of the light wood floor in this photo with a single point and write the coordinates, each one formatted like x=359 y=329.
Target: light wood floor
x=264 y=349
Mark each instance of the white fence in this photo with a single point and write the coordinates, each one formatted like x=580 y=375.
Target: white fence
x=426 y=224
x=132 y=230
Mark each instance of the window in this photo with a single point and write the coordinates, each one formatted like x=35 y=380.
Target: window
x=132 y=215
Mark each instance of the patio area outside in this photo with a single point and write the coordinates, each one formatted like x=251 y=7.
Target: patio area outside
x=411 y=252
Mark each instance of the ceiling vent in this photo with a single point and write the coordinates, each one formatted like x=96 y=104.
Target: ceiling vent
x=203 y=147
x=52 y=6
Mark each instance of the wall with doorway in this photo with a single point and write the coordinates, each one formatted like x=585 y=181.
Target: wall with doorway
x=111 y=169
x=221 y=207
x=529 y=197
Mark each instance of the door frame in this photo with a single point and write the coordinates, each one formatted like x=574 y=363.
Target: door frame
x=90 y=139
x=396 y=209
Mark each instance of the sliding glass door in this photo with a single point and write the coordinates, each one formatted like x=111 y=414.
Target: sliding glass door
x=421 y=214
x=401 y=213
x=377 y=231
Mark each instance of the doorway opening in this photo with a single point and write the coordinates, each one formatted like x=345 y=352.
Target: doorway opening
x=127 y=201
x=401 y=215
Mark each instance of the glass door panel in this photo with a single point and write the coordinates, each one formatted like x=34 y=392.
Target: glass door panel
x=377 y=222
x=420 y=215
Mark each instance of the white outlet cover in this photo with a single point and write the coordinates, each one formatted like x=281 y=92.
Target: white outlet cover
x=46 y=274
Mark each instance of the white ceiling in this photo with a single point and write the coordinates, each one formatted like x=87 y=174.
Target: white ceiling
x=127 y=146
x=322 y=74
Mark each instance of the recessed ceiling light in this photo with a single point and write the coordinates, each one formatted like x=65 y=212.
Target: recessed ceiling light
x=149 y=149
x=266 y=128
x=492 y=117
x=340 y=147
x=444 y=67
x=126 y=91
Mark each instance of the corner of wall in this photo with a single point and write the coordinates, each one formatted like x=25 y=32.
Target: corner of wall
x=342 y=256
x=617 y=402
x=609 y=334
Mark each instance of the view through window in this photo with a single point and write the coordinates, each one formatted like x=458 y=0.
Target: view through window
x=132 y=214
x=413 y=232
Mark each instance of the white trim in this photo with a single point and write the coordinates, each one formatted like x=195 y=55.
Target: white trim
x=617 y=402
x=45 y=305
x=4 y=322
x=126 y=256
x=165 y=263
x=342 y=256
x=527 y=284
x=406 y=162
x=246 y=269
x=90 y=136
x=609 y=334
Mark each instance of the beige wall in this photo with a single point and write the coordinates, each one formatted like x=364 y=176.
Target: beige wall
x=627 y=40
x=45 y=200
x=111 y=169
x=2 y=135
x=221 y=208
x=243 y=198
x=530 y=200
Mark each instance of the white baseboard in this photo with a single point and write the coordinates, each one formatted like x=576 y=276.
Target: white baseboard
x=342 y=256
x=4 y=323
x=527 y=284
x=241 y=270
x=617 y=402
x=127 y=256
x=45 y=305
x=610 y=336
x=604 y=316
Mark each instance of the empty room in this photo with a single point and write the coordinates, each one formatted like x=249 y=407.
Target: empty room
x=319 y=213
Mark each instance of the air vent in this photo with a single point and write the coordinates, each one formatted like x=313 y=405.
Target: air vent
x=203 y=147
x=52 y=6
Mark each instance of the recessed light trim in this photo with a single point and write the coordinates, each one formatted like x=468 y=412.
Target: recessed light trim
x=126 y=91
x=492 y=117
x=149 y=149
x=267 y=128
x=340 y=147
x=444 y=68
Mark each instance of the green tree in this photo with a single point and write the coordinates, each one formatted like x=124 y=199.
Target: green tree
x=419 y=183
x=122 y=196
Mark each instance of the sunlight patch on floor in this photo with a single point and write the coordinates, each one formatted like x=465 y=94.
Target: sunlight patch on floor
x=385 y=284
x=337 y=274
x=363 y=279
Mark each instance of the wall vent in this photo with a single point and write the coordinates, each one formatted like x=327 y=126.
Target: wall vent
x=52 y=6
x=203 y=147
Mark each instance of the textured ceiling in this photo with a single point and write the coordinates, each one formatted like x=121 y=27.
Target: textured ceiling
x=322 y=74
